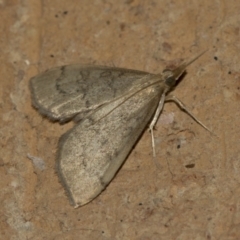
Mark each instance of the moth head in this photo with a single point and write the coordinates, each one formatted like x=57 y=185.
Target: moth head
x=171 y=76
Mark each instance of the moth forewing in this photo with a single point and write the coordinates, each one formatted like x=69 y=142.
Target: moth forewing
x=63 y=92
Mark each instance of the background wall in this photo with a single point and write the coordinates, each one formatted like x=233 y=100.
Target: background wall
x=195 y=192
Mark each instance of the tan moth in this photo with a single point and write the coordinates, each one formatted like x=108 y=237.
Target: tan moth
x=111 y=107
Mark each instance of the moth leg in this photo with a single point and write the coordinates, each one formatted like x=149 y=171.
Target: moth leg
x=183 y=107
x=154 y=120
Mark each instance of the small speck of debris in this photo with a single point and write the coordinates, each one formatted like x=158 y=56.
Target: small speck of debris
x=122 y=26
x=167 y=47
x=215 y=58
x=178 y=146
x=52 y=56
x=140 y=204
x=37 y=162
x=229 y=72
x=191 y=165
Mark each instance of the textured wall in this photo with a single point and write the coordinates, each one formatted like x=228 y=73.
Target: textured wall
x=193 y=191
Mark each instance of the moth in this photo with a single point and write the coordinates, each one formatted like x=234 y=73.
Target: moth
x=111 y=107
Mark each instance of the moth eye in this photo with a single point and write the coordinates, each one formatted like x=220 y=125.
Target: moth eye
x=170 y=81
x=168 y=77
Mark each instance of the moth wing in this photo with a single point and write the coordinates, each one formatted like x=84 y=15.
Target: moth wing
x=89 y=155
x=63 y=92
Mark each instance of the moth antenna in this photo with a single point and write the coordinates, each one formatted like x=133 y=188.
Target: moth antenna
x=179 y=70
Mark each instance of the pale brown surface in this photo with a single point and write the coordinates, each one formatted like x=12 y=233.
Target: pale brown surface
x=143 y=201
